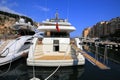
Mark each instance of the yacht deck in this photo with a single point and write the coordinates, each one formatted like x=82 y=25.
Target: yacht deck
x=39 y=55
x=56 y=57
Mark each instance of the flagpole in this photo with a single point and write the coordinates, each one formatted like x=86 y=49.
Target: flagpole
x=56 y=19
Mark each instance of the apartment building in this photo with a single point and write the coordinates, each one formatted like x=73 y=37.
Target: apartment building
x=86 y=32
x=104 y=29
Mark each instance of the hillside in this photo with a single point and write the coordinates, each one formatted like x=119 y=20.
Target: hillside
x=8 y=19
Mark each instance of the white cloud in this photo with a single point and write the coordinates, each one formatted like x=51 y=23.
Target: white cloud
x=6 y=9
x=8 y=4
x=42 y=8
x=5 y=6
x=3 y=1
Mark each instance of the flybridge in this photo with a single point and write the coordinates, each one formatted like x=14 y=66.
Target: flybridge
x=56 y=24
x=56 y=19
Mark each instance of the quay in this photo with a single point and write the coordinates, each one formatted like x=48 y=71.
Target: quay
x=102 y=43
x=90 y=58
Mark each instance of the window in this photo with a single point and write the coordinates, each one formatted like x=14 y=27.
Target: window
x=59 y=34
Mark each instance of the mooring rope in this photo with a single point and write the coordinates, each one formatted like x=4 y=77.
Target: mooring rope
x=57 y=67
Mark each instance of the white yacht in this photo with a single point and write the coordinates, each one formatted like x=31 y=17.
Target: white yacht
x=23 y=27
x=11 y=50
x=54 y=48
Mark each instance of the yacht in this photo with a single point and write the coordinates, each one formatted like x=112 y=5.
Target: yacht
x=11 y=50
x=23 y=27
x=55 y=47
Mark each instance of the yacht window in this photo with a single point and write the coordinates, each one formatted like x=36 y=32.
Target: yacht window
x=59 y=34
x=56 y=42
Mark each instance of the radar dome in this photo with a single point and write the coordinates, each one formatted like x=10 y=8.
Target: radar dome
x=21 y=20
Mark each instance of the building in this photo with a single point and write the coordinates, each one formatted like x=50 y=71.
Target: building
x=86 y=32
x=104 y=29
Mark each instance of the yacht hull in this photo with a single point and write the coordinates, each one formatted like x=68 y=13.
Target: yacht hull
x=14 y=50
x=52 y=59
x=55 y=63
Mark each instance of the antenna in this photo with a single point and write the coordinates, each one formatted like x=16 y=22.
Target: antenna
x=56 y=14
x=67 y=9
x=46 y=7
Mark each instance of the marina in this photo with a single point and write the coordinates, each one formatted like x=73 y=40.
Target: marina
x=103 y=43
x=94 y=68
x=20 y=71
x=53 y=55
x=67 y=40
x=91 y=59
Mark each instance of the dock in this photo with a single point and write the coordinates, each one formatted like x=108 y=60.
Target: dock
x=102 y=43
x=91 y=59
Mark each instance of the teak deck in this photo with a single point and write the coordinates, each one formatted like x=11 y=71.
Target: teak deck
x=56 y=57
x=40 y=56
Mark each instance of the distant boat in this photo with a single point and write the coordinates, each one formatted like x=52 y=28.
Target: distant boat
x=23 y=27
x=14 y=49
x=54 y=48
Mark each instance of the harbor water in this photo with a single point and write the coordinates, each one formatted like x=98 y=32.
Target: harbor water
x=18 y=70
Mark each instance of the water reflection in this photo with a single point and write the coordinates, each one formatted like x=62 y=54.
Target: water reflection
x=64 y=73
x=112 y=54
x=15 y=71
x=20 y=71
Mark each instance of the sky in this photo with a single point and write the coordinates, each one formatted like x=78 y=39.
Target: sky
x=80 y=13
